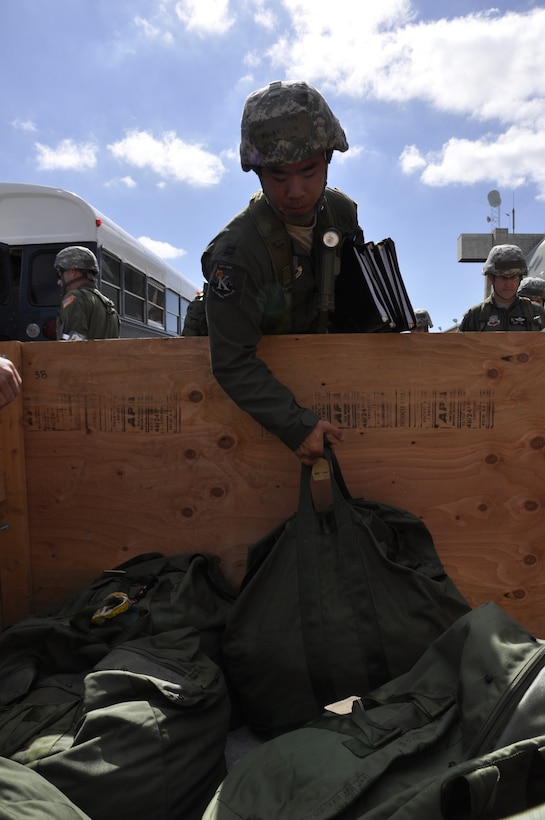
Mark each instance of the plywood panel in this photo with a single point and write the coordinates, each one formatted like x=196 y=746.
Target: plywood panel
x=15 y=569
x=132 y=446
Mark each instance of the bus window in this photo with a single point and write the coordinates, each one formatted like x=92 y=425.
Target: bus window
x=135 y=293
x=173 y=312
x=110 y=280
x=156 y=303
x=43 y=287
x=185 y=304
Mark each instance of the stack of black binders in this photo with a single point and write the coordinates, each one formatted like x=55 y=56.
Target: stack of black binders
x=370 y=295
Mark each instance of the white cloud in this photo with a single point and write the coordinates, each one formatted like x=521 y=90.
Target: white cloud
x=264 y=16
x=487 y=67
x=127 y=181
x=170 y=158
x=68 y=155
x=324 y=48
x=154 y=32
x=23 y=125
x=163 y=249
x=205 y=16
x=482 y=65
x=354 y=152
x=411 y=160
x=513 y=159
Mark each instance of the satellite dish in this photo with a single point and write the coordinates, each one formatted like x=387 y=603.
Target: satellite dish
x=494 y=199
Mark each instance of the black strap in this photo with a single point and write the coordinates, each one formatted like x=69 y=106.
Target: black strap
x=273 y=232
x=358 y=576
x=354 y=575
x=310 y=593
x=276 y=238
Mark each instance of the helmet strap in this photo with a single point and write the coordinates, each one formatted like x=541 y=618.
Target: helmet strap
x=66 y=286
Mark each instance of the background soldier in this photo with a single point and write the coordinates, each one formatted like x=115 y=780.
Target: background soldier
x=533 y=287
x=84 y=312
x=423 y=321
x=504 y=309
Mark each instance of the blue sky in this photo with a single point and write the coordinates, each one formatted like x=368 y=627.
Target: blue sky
x=135 y=105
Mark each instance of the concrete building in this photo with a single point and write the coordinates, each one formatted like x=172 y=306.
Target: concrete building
x=475 y=247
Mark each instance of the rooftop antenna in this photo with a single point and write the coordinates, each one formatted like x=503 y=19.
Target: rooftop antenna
x=512 y=215
x=494 y=200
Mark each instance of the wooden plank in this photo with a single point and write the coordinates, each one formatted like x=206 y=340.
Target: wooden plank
x=15 y=569
x=132 y=446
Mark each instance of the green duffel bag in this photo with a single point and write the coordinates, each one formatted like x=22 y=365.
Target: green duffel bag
x=150 y=739
x=333 y=603
x=459 y=737
x=25 y=795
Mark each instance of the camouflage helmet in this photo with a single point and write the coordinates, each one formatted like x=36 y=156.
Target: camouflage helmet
x=532 y=286
x=505 y=260
x=422 y=318
x=76 y=257
x=285 y=123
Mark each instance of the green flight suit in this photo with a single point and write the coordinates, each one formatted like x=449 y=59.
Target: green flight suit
x=85 y=311
x=246 y=299
x=522 y=314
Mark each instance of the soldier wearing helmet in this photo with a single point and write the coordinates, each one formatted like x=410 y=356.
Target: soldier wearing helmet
x=265 y=267
x=423 y=321
x=84 y=312
x=533 y=287
x=504 y=308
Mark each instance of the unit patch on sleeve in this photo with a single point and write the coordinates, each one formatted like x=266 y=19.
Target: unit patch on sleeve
x=222 y=282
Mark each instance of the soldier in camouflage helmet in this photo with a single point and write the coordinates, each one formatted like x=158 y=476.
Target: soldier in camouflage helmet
x=84 y=312
x=286 y=123
x=265 y=269
x=534 y=288
x=423 y=321
x=504 y=308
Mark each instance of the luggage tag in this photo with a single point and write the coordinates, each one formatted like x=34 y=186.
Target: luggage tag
x=320 y=470
x=345 y=706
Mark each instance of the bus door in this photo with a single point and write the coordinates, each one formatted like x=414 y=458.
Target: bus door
x=39 y=293
x=8 y=294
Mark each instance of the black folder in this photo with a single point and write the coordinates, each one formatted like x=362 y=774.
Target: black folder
x=370 y=295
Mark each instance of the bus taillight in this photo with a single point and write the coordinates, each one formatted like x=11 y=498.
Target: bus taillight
x=49 y=329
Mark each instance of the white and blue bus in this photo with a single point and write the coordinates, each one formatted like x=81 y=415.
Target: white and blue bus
x=36 y=222
x=536 y=261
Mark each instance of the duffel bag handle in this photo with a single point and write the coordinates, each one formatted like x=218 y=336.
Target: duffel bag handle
x=354 y=571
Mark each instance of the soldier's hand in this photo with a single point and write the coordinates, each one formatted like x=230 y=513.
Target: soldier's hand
x=312 y=447
x=10 y=382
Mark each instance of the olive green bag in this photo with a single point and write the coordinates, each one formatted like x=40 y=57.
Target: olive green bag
x=333 y=603
x=461 y=736
x=114 y=694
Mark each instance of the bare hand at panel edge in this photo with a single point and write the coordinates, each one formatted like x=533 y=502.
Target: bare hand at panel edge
x=312 y=447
